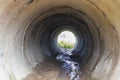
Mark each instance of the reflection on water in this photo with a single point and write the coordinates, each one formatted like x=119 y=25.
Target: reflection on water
x=71 y=67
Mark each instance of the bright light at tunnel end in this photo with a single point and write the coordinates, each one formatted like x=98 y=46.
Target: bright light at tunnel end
x=66 y=38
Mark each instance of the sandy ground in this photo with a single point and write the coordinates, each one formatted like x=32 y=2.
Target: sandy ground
x=51 y=71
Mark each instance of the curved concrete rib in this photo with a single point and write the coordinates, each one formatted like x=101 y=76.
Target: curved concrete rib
x=29 y=29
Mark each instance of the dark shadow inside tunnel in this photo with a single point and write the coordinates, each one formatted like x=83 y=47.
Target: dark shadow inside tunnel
x=41 y=39
x=43 y=35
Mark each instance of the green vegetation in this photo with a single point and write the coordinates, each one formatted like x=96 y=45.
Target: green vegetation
x=66 y=45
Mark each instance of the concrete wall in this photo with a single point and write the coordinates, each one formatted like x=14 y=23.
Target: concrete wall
x=19 y=37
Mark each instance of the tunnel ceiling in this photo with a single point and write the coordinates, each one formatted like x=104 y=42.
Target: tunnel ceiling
x=29 y=30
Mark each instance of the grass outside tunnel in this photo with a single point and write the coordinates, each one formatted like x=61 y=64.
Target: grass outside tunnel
x=66 y=39
x=66 y=45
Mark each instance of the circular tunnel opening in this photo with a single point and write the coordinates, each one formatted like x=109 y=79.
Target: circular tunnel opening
x=41 y=41
x=44 y=32
x=66 y=40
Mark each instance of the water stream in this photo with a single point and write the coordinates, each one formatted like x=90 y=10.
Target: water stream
x=70 y=66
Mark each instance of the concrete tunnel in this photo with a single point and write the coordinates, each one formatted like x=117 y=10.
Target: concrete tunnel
x=29 y=29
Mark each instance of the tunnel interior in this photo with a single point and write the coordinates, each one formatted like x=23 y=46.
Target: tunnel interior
x=41 y=37
x=29 y=40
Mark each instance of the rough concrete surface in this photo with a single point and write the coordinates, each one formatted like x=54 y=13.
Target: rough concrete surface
x=29 y=28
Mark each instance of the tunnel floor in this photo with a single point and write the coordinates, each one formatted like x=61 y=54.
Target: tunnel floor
x=52 y=71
